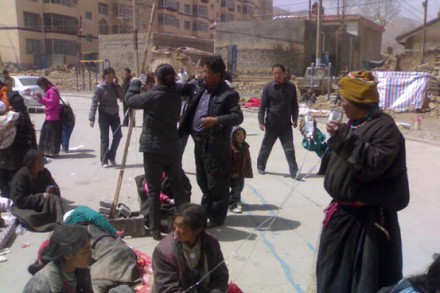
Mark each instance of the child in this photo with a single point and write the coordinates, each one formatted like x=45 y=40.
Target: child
x=8 y=130
x=241 y=167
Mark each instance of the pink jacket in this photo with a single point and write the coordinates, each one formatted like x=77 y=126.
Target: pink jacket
x=51 y=100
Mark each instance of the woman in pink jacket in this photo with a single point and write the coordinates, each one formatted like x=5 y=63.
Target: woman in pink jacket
x=50 y=136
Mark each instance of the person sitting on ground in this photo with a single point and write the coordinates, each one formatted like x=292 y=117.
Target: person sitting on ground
x=424 y=283
x=189 y=259
x=64 y=267
x=36 y=195
x=83 y=214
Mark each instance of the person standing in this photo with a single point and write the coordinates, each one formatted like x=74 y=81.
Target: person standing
x=212 y=112
x=67 y=127
x=360 y=248
x=277 y=113
x=126 y=79
x=7 y=79
x=50 y=136
x=159 y=140
x=182 y=77
x=105 y=100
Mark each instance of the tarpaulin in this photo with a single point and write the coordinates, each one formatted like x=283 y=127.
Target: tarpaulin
x=402 y=91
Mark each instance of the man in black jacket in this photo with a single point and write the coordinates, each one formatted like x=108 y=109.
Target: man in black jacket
x=278 y=112
x=211 y=113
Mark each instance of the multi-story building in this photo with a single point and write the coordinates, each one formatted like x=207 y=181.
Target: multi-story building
x=41 y=33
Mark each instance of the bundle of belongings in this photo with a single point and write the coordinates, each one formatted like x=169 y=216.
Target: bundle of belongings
x=7 y=132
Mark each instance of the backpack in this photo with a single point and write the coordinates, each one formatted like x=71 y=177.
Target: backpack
x=66 y=114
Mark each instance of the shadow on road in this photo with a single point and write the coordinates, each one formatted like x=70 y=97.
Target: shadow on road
x=261 y=222
x=278 y=174
x=226 y=233
x=260 y=207
x=78 y=154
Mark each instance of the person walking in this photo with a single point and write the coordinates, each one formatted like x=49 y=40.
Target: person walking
x=360 y=248
x=159 y=140
x=105 y=100
x=277 y=113
x=212 y=112
x=126 y=79
x=50 y=136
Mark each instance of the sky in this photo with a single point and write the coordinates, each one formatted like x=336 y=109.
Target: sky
x=409 y=8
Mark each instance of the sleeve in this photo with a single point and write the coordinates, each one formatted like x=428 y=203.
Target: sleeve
x=119 y=92
x=20 y=190
x=318 y=145
x=97 y=219
x=248 y=163
x=263 y=106
x=367 y=159
x=294 y=105
x=166 y=277
x=220 y=276
x=50 y=181
x=233 y=114
x=50 y=99
x=95 y=101
x=136 y=100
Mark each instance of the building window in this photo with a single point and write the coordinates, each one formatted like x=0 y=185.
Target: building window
x=187 y=25
x=169 y=4
x=88 y=15
x=248 y=10
x=89 y=38
x=103 y=27
x=165 y=19
x=228 y=3
x=33 y=46
x=200 y=26
x=55 y=46
x=30 y=20
x=68 y=3
x=238 y=8
x=60 y=23
x=102 y=8
x=199 y=10
x=226 y=17
x=122 y=11
x=187 y=9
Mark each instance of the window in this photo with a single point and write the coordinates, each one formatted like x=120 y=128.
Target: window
x=199 y=10
x=60 y=23
x=226 y=17
x=30 y=20
x=89 y=38
x=102 y=8
x=88 y=15
x=187 y=25
x=248 y=10
x=165 y=19
x=55 y=46
x=122 y=11
x=68 y=3
x=33 y=46
x=228 y=3
x=187 y=9
x=169 y=4
x=200 y=26
x=239 y=8
x=103 y=27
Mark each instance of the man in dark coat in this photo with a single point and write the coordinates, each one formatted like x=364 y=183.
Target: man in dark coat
x=210 y=115
x=360 y=248
x=278 y=112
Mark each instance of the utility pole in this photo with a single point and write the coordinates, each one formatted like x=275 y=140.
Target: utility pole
x=310 y=9
x=79 y=38
x=318 y=34
x=135 y=40
x=422 y=51
x=148 y=39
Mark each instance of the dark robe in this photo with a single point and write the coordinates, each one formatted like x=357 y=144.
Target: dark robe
x=360 y=248
x=33 y=210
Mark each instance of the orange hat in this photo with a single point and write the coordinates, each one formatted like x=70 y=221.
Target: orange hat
x=359 y=87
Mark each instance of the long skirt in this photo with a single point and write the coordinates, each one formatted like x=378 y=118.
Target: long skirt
x=360 y=251
x=50 y=137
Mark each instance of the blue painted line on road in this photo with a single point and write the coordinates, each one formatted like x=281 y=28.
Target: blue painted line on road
x=263 y=200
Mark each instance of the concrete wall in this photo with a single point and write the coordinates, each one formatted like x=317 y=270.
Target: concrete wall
x=260 y=44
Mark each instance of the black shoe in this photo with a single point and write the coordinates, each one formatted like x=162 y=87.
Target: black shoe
x=261 y=172
x=213 y=224
x=156 y=235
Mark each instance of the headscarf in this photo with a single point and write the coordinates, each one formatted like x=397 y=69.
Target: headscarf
x=359 y=87
x=31 y=156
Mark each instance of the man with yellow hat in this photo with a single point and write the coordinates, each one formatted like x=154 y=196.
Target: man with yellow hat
x=360 y=246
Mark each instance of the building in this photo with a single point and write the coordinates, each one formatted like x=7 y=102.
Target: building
x=413 y=39
x=291 y=40
x=41 y=33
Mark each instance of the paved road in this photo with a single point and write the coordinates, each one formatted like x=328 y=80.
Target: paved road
x=279 y=258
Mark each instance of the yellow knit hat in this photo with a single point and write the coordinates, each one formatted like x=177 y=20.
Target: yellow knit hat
x=359 y=87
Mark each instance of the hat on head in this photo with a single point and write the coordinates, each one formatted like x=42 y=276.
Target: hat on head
x=359 y=87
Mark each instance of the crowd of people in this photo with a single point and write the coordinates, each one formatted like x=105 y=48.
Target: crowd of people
x=363 y=163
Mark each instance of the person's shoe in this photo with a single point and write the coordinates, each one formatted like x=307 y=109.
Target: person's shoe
x=105 y=165
x=156 y=235
x=113 y=163
x=295 y=175
x=261 y=172
x=238 y=209
x=212 y=224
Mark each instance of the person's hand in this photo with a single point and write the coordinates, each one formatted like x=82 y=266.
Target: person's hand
x=333 y=126
x=116 y=80
x=92 y=123
x=295 y=123
x=37 y=96
x=262 y=127
x=208 y=122
x=52 y=190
